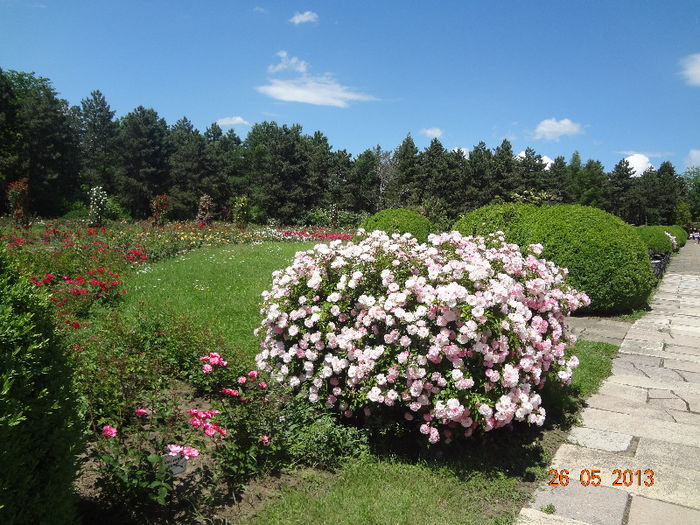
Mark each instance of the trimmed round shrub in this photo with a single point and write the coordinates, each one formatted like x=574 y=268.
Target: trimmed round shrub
x=655 y=239
x=508 y=218
x=38 y=423
x=399 y=220
x=605 y=256
x=445 y=338
x=679 y=233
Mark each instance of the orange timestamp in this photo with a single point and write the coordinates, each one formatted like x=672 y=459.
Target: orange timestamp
x=623 y=478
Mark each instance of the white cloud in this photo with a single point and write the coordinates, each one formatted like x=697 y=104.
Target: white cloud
x=545 y=159
x=639 y=163
x=302 y=18
x=433 y=133
x=300 y=66
x=650 y=154
x=553 y=129
x=258 y=9
x=318 y=90
x=232 y=121
x=691 y=69
x=693 y=158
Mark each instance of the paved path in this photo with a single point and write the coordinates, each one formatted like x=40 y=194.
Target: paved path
x=645 y=417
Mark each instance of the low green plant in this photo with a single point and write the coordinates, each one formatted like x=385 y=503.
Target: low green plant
x=400 y=220
x=39 y=431
x=318 y=439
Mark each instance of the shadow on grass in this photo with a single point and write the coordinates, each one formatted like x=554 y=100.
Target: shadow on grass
x=518 y=450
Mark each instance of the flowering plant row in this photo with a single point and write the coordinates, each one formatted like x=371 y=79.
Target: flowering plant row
x=452 y=335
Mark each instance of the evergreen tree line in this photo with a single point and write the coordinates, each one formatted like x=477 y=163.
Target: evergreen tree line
x=288 y=176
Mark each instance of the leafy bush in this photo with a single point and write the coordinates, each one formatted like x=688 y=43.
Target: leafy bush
x=679 y=233
x=507 y=218
x=77 y=210
x=38 y=429
x=115 y=212
x=446 y=338
x=656 y=241
x=320 y=440
x=604 y=255
x=399 y=220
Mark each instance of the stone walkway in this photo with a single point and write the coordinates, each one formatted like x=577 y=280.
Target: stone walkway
x=645 y=417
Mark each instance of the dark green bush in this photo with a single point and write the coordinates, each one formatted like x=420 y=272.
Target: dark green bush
x=77 y=210
x=604 y=255
x=656 y=241
x=399 y=220
x=39 y=434
x=508 y=218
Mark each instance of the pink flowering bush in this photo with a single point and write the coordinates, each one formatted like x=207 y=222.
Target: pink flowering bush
x=453 y=335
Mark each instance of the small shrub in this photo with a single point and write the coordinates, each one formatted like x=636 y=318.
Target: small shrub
x=445 y=338
x=98 y=205
x=160 y=207
x=656 y=241
x=115 y=212
x=17 y=199
x=76 y=211
x=205 y=210
x=604 y=255
x=38 y=428
x=241 y=212
x=399 y=220
x=319 y=440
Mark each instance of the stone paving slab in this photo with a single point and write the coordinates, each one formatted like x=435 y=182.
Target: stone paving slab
x=535 y=517
x=671 y=483
x=595 y=505
x=679 y=433
x=655 y=452
x=626 y=392
x=624 y=406
x=600 y=439
x=677 y=364
x=680 y=387
x=645 y=511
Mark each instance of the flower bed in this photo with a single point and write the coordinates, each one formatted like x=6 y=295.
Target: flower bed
x=453 y=335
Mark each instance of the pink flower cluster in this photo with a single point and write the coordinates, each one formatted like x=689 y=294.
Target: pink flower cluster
x=212 y=360
x=109 y=431
x=459 y=332
x=187 y=452
x=202 y=418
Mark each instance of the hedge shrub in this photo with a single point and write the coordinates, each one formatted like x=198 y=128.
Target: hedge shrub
x=508 y=218
x=400 y=220
x=655 y=239
x=604 y=255
x=38 y=422
x=680 y=234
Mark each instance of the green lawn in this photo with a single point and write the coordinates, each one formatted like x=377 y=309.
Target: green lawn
x=486 y=480
x=216 y=287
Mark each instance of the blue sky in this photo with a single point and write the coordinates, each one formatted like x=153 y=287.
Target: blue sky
x=609 y=79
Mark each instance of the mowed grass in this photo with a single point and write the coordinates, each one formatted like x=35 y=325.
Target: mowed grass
x=486 y=480
x=215 y=287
